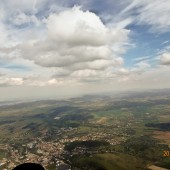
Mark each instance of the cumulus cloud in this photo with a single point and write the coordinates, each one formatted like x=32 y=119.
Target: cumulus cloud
x=55 y=82
x=85 y=28
x=165 y=59
x=76 y=42
x=84 y=73
x=64 y=45
x=13 y=81
x=47 y=46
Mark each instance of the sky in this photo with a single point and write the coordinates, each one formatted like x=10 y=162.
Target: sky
x=64 y=48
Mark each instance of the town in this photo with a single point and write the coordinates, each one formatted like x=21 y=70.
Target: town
x=52 y=152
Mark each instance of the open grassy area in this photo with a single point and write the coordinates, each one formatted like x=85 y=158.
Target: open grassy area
x=110 y=162
x=2 y=153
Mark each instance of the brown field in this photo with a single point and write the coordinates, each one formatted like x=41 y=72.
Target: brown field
x=102 y=120
x=153 y=167
x=164 y=136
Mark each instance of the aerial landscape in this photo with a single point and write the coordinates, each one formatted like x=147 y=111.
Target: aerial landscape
x=89 y=132
x=85 y=85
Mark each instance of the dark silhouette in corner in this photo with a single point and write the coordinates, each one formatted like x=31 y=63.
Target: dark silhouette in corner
x=29 y=166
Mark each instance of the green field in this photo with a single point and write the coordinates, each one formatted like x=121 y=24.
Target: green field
x=110 y=161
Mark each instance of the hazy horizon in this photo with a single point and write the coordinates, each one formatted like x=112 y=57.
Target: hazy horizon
x=49 y=96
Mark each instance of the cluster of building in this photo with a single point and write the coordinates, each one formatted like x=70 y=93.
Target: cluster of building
x=38 y=151
x=53 y=153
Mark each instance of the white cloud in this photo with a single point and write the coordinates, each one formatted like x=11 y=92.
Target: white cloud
x=3 y=35
x=22 y=18
x=77 y=40
x=85 y=28
x=26 y=6
x=165 y=59
x=155 y=14
x=141 y=67
x=64 y=46
x=100 y=64
x=165 y=42
x=55 y=82
x=122 y=71
x=11 y=81
x=143 y=58
x=84 y=73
